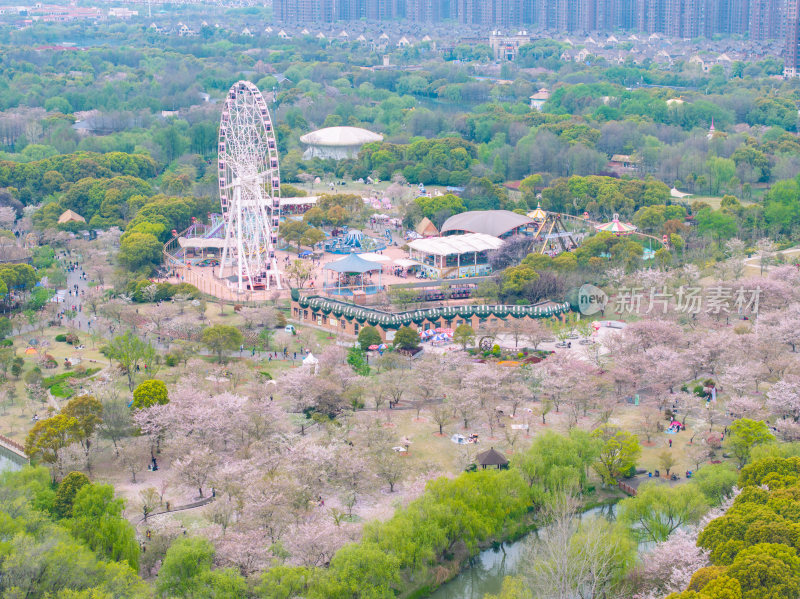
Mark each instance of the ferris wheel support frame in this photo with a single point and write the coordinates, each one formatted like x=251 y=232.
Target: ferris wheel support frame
x=249 y=185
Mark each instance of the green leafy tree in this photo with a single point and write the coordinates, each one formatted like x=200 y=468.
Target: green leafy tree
x=513 y=588
x=528 y=188
x=186 y=572
x=362 y=570
x=746 y=434
x=221 y=338
x=767 y=571
x=658 y=510
x=368 y=336
x=131 y=353
x=311 y=237
x=49 y=437
x=559 y=464
x=406 y=338
x=720 y=225
x=183 y=565
x=172 y=142
x=515 y=278
x=464 y=335
x=292 y=231
x=403 y=297
x=65 y=494
x=150 y=393
x=299 y=271
x=97 y=519
x=618 y=453
x=716 y=482
x=357 y=358
x=88 y=413
x=283 y=582
x=449 y=203
x=43 y=558
x=139 y=250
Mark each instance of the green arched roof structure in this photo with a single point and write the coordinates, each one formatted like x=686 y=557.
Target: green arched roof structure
x=395 y=320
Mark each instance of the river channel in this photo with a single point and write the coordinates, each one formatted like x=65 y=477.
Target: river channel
x=488 y=569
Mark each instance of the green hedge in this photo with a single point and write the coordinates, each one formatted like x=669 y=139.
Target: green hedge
x=50 y=381
x=62 y=389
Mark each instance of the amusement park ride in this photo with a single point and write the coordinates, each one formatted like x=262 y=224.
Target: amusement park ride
x=240 y=243
x=249 y=190
x=549 y=227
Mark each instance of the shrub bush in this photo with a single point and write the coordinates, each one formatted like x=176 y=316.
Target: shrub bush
x=61 y=338
x=164 y=291
x=62 y=389
x=59 y=378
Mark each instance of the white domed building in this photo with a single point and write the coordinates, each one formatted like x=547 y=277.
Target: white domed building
x=337 y=142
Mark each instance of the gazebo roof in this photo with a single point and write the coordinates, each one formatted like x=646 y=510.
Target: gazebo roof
x=426 y=227
x=70 y=216
x=491 y=457
x=353 y=263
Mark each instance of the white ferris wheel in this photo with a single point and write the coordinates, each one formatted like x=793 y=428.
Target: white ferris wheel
x=249 y=190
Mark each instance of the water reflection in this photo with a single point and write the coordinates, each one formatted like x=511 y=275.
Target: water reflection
x=491 y=566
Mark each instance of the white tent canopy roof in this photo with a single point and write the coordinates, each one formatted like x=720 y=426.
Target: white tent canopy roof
x=310 y=360
x=201 y=243
x=456 y=244
x=372 y=257
x=299 y=201
x=489 y=222
x=340 y=136
x=406 y=263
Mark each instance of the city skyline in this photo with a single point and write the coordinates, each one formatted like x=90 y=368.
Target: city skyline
x=759 y=20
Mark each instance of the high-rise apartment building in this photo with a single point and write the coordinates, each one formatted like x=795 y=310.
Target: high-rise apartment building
x=760 y=19
x=766 y=18
x=792 y=58
x=303 y=11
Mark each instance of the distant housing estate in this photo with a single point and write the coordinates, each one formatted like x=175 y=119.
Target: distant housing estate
x=64 y=13
x=758 y=19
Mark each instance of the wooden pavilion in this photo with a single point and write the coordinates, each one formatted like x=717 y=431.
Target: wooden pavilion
x=491 y=457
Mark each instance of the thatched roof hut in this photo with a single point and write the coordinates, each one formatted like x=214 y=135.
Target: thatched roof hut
x=70 y=216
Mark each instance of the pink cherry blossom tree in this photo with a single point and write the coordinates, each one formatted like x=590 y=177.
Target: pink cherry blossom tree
x=669 y=566
x=783 y=398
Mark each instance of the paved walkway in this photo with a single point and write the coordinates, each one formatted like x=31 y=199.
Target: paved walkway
x=180 y=508
x=755 y=261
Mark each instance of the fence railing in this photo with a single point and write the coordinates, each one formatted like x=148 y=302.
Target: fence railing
x=13 y=451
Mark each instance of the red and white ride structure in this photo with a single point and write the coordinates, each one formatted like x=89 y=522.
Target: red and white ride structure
x=249 y=191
